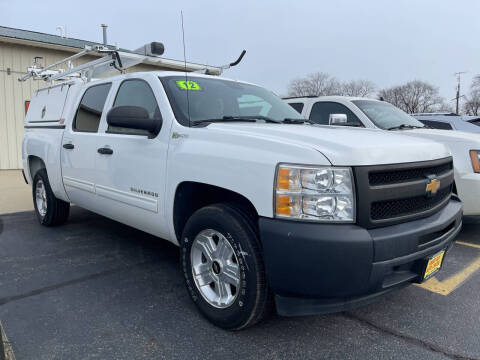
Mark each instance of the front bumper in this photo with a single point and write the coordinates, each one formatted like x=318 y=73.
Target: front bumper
x=320 y=268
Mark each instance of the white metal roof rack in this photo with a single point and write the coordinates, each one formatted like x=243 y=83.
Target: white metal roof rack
x=115 y=61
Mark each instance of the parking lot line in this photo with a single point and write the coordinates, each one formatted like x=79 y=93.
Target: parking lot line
x=468 y=244
x=448 y=285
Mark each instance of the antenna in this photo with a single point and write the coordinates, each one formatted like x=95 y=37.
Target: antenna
x=185 y=62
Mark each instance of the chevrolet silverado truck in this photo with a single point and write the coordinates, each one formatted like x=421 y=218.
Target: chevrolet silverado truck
x=375 y=114
x=267 y=208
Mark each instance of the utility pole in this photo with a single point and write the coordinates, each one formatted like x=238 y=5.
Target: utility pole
x=457 y=97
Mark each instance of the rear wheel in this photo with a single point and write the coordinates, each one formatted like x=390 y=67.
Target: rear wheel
x=50 y=210
x=223 y=267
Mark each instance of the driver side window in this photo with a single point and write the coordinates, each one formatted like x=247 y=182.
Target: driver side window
x=321 y=112
x=135 y=92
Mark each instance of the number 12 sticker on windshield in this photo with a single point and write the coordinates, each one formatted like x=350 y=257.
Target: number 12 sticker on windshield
x=188 y=85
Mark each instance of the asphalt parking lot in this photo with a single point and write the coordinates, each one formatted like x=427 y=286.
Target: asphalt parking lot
x=97 y=289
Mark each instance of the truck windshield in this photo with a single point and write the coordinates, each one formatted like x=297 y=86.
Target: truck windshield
x=387 y=116
x=216 y=99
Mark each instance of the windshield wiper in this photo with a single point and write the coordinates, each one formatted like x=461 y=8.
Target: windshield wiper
x=296 y=121
x=404 y=126
x=236 y=118
x=254 y=119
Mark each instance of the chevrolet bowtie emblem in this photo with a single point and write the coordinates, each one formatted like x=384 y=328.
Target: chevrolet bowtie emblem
x=433 y=184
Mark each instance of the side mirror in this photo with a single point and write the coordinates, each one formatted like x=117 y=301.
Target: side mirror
x=337 y=119
x=133 y=117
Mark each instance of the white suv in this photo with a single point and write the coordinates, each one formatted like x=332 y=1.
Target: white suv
x=374 y=114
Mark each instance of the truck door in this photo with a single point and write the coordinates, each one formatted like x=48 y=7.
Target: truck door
x=79 y=146
x=131 y=165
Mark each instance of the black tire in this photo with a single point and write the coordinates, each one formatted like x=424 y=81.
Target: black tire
x=57 y=210
x=252 y=302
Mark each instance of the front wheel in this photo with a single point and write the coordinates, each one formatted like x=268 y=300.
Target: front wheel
x=50 y=210
x=223 y=267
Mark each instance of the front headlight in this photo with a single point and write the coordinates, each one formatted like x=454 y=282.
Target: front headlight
x=314 y=193
x=475 y=157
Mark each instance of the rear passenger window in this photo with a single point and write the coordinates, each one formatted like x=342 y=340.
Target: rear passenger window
x=297 y=106
x=136 y=93
x=89 y=112
x=437 y=124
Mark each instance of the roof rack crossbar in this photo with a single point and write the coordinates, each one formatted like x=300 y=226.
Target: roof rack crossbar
x=37 y=72
x=90 y=66
x=70 y=58
x=116 y=59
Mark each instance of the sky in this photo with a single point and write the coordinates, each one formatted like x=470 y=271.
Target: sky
x=387 y=42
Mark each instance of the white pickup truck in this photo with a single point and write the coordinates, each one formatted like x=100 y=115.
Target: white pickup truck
x=264 y=205
x=375 y=114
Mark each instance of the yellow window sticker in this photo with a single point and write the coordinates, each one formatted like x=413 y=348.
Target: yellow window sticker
x=188 y=85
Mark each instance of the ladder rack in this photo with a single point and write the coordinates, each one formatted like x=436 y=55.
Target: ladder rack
x=114 y=61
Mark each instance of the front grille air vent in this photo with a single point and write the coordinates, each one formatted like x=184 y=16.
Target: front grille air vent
x=395 y=208
x=404 y=175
